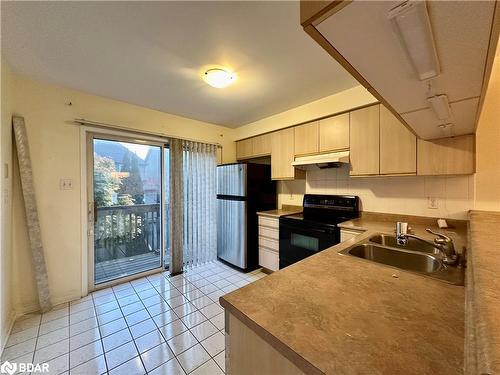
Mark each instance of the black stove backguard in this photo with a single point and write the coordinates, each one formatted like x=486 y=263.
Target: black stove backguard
x=332 y=208
x=315 y=229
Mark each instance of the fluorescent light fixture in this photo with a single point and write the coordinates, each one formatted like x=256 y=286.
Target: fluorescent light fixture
x=445 y=126
x=441 y=106
x=411 y=23
x=218 y=78
x=446 y=129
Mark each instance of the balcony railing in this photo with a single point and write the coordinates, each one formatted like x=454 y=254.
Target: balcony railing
x=124 y=231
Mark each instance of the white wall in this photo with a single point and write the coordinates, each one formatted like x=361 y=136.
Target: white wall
x=398 y=195
x=6 y=301
x=55 y=152
x=343 y=101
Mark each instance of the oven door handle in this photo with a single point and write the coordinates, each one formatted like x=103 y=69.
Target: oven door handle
x=306 y=229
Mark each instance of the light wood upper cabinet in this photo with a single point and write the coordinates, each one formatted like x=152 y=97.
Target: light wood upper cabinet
x=307 y=138
x=378 y=142
x=262 y=145
x=244 y=149
x=253 y=147
x=334 y=133
x=365 y=141
x=282 y=156
x=446 y=156
x=398 y=146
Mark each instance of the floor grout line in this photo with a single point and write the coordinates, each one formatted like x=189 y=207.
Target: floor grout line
x=133 y=338
x=100 y=339
x=196 y=280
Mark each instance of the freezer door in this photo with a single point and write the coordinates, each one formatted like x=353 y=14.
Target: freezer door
x=232 y=180
x=231 y=231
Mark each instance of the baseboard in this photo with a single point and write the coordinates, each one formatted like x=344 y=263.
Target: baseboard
x=30 y=308
x=12 y=320
x=73 y=296
x=33 y=307
x=27 y=308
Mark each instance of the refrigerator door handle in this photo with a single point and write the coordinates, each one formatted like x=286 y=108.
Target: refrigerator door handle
x=231 y=197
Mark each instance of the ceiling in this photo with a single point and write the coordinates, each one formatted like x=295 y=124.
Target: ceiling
x=461 y=31
x=153 y=53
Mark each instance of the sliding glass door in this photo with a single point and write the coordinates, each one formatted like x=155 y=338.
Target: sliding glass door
x=129 y=199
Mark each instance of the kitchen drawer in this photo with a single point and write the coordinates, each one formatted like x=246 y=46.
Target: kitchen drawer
x=269 y=243
x=269 y=259
x=269 y=232
x=270 y=222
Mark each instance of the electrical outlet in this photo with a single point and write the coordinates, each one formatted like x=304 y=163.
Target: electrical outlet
x=65 y=184
x=432 y=202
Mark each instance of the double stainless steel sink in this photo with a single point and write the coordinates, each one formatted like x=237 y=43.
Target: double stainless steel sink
x=415 y=256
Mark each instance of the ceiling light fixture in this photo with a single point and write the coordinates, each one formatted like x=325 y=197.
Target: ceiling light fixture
x=441 y=106
x=218 y=78
x=411 y=23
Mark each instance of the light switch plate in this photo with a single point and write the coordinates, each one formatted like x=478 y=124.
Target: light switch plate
x=432 y=203
x=66 y=184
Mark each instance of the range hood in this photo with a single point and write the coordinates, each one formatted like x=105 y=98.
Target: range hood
x=331 y=160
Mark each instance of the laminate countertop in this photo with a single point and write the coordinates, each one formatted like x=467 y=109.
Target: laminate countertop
x=483 y=296
x=334 y=314
x=286 y=210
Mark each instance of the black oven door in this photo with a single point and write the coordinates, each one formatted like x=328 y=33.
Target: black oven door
x=300 y=239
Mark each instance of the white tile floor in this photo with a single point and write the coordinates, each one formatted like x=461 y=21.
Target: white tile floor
x=154 y=325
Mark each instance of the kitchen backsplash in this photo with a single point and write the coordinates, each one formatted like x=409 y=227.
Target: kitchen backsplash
x=398 y=195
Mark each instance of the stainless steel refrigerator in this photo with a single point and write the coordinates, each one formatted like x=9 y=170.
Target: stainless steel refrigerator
x=243 y=189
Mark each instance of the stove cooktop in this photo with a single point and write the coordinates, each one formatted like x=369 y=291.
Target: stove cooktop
x=318 y=219
x=326 y=209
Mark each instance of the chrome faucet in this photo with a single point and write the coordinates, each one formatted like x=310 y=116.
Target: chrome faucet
x=443 y=243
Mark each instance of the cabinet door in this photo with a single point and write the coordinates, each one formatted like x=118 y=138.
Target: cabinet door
x=282 y=156
x=446 y=156
x=244 y=149
x=334 y=133
x=262 y=145
x=307 y=138
x=398 y=146
x=364 y=139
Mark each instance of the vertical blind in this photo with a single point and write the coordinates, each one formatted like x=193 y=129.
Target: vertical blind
x=199 y=209
x=193 y=216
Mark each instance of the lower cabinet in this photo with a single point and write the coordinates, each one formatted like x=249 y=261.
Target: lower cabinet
x=248 y=354
x=269 y=242
x=269 y=259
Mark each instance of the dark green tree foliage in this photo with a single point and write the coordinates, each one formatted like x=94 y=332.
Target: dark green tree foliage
x=131 y=188
x=106 y=181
